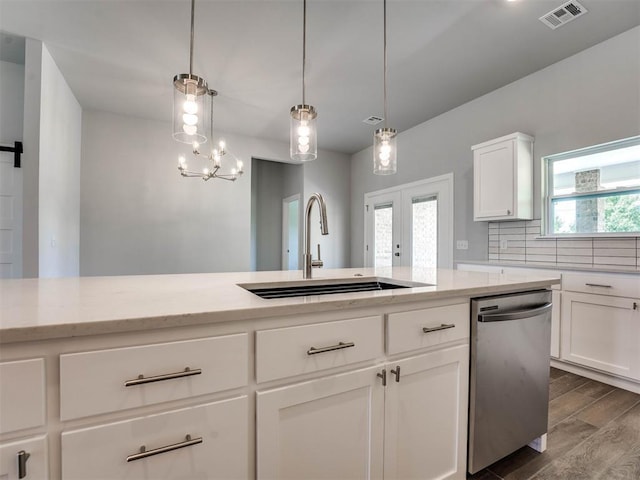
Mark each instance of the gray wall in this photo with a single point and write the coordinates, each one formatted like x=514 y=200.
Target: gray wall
x=590 y=98
x=12 y=101
x=329 y=175
x=51 y=192
x=138 y=216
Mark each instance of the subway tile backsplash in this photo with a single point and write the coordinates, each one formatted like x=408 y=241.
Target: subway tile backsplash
x=520 y=242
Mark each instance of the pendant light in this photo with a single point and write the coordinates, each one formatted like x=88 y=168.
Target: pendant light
x=190 y=101
x=384 y=139
x=213 y=164
x=303 y=138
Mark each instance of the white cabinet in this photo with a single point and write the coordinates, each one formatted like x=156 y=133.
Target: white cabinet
x=398 y=420
x=503 y=178
x=602 y=332
x=207 y=441
x=325 y=428
x=102 y=381
x=425 y=416
x=22 y=395
x=25 y=459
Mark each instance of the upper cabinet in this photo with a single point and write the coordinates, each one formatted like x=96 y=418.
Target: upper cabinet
x=503 y=178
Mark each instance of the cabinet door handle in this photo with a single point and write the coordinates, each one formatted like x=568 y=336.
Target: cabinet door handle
x=22 y=463
x=443 y=326
x=331 y=348
x=396 y=372
x=144 y=453
x=597 y=285
x=383 y=376
x=635 y=305
x=141 y=380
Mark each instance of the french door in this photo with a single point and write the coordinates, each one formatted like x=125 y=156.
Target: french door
x=410 y=225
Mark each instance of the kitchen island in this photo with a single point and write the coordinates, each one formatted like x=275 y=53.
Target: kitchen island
x=193 y=376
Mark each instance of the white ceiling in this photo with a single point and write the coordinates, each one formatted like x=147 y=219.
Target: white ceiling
x=121 y=55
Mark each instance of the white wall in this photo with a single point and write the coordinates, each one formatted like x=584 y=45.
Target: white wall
x=11 y=102
x=139 y=216
x=59 y=186
x=330 y=175
x=31 y=158
x=589 y=98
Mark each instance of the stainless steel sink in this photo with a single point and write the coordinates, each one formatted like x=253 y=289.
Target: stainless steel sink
x=327 y=287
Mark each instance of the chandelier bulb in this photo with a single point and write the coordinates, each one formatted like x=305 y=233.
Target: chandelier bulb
x=190 y=105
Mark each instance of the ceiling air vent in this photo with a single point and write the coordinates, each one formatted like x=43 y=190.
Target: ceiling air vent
x=373 y=120
x=563 y=14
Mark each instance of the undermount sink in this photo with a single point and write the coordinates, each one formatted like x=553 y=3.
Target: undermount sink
x=327 y=287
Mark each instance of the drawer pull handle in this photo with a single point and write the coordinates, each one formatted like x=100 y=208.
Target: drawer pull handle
x=331 y=348
x=141 y=380
x=443 y=326
x=597 y=285
x=22 y=463
x=144 y=453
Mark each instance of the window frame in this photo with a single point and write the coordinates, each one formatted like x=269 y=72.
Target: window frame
x=548 y=187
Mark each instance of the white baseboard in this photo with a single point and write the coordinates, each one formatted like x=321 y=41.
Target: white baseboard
x=596 y=375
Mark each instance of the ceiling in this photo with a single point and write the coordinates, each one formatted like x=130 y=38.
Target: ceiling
x=121 y=55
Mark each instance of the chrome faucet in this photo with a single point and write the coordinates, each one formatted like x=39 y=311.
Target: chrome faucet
x=308 y=261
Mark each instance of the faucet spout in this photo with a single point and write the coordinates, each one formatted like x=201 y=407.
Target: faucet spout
x=308 y=263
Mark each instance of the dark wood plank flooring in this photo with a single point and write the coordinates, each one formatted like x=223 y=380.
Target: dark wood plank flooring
x=594 y=433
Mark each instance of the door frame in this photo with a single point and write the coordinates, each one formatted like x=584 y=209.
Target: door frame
x=285 y=230
x=442 y=185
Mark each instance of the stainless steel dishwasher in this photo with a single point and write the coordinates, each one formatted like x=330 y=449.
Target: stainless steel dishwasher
x=509 y=376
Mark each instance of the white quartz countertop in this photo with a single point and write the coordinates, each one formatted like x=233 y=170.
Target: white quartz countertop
x=39 y=309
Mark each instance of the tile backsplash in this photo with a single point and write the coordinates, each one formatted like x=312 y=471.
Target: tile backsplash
x=520 y=242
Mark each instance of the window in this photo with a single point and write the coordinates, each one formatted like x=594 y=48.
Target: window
x=595 y=190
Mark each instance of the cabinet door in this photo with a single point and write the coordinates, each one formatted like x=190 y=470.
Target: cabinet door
x=426 y=416
x=556 y=299
x=217 y=446
x=327 y=428
x=494 y=181
x=34 y=467
x=601 y=332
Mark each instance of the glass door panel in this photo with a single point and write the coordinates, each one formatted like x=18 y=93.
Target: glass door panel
x=424 y=232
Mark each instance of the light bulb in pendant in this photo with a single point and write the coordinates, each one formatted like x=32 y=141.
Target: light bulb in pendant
x=190 y=129
x=190 y=106
x=190 y=119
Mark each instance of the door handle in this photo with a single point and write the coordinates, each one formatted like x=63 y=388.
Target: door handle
x=517 y=315
x=397 y=254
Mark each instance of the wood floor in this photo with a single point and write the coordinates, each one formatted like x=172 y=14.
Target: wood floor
x=594 y=433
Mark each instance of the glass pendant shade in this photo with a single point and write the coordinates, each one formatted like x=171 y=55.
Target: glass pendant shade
x=303 y=139
x=190 y=109
x=384 y=151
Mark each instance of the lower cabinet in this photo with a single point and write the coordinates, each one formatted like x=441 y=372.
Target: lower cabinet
x=351 y=426
x=602 y=332
x=24 y=459
x=207 y=441
x=426 y=403
x=327 y=428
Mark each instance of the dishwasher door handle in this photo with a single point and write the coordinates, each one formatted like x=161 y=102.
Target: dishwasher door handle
x=517 y=315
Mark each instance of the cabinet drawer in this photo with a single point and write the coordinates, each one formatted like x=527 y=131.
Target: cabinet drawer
x=108 y=380
x=602 y=284
x=35 y=466
x=22 y=400
x=217 y=448
x=285 y=352
x=427 y=327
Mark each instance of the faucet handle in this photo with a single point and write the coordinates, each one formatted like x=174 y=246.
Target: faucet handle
x=317 y=263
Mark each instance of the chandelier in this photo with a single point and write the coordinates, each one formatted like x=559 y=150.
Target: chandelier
x=192 y=98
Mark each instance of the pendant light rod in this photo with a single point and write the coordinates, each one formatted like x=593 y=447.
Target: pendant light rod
x=384 y=19
x=193 y=8
x=304 y=47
